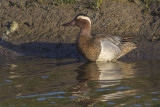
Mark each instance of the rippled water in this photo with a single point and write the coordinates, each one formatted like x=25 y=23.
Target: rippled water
x=41 y=82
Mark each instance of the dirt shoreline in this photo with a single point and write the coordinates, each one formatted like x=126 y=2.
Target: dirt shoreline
x=40 y=32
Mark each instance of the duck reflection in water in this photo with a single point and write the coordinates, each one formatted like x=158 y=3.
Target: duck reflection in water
x=105 y=75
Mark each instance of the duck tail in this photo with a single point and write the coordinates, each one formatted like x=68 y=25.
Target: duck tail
x=127 y=47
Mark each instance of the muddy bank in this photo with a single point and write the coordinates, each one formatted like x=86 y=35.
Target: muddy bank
x=40 y=32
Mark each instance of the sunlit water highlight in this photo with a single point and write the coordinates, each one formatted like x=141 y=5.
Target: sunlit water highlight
x=41 y=82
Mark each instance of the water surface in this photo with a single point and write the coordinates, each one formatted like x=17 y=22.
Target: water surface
x=42 y=82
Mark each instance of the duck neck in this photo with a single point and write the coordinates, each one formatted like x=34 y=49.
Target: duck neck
x=84 y=34
x=85 y=31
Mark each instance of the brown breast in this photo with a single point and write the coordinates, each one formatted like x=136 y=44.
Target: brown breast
x=89 y=47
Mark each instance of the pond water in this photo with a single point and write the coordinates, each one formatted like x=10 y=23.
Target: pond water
x=47 y=82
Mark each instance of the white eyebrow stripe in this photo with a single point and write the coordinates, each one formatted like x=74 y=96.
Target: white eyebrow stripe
x=84 y=17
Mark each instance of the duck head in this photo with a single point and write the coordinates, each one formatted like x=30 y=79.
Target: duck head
x=81 y=20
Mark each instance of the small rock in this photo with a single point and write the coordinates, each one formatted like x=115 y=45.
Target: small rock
x=13 y=26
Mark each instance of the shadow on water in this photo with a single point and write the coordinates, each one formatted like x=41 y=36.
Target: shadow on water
x=51 y=50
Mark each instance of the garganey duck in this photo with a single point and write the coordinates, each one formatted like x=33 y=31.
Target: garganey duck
x=100 y=47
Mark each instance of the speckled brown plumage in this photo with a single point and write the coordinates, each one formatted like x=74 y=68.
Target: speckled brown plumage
x=89 y=47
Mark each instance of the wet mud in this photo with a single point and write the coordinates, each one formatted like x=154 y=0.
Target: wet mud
x=40 y=31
